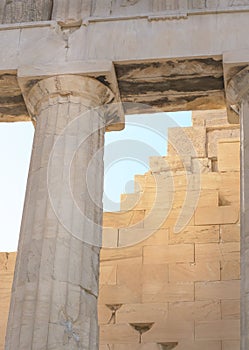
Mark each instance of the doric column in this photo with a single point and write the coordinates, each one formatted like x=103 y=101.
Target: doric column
x=54 y=296
x=238 y=97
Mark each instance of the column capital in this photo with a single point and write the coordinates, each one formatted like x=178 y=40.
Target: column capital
x=90 y=90
x=94 y=82
x=237 y=91
x=236 y=78
x=238 y=87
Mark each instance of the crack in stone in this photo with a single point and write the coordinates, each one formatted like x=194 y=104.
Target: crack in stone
x=88 y=291
x=70 y=331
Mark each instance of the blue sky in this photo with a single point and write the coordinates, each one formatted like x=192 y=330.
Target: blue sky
x=15 y=149
x=126 y=154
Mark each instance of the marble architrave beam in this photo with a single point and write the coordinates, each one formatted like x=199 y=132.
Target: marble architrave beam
x=148 y=50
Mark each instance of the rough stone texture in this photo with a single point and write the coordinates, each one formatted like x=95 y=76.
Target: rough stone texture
x=16 y=11
x=190 y=82
x=214 y=135
x=165 y=85
x=158 y=8
x=7 y=266
x=229 y=159
x=11 y=102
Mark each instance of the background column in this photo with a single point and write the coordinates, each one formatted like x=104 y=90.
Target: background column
x=238 y=96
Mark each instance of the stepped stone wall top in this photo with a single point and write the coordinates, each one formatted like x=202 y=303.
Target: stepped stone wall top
x=179 y=290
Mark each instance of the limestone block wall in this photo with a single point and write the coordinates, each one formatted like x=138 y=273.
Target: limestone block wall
x=162 y=290
x=7 y=265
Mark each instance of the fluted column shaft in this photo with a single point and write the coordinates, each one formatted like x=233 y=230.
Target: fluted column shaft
x=238 y=94
x=54 y=296
x=244 y=120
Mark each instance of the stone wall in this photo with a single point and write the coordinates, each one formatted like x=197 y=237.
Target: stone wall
x=176 y=287
x=7 y=265
x=180 y=290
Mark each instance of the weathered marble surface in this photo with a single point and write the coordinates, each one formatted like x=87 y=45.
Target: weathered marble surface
x=11 y=100
x=14 y=11
x=166 y=85
x=161 y=61
x=111 y=8
x=192 y=83
x=55 y=289
x=237 y=93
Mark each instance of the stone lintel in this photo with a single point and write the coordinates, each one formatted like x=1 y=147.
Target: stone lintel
x=102 y=71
